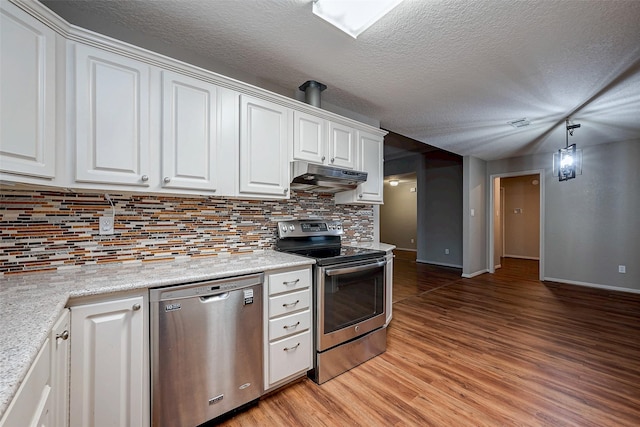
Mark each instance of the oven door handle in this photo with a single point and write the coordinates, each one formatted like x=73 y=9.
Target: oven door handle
x=347 y=270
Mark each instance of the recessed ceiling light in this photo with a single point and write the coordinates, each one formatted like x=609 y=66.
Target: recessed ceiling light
x=353 y=16
x=520 y=123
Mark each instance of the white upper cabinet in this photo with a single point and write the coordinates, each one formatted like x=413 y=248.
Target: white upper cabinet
x=370 y=154
x=189 y=133
x=310 y=138
x=27 y=94
x=342 y=146
x=322 y=141
x=111 y=118
x=264 y=138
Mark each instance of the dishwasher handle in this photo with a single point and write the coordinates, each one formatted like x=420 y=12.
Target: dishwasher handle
x=217 y=297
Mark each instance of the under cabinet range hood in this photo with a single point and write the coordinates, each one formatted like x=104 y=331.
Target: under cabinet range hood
x=324 y=179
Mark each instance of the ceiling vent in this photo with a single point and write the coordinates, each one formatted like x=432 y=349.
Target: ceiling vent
x=520 y=123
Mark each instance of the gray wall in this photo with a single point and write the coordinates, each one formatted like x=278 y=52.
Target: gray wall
x=475 y=195
x=440 y=211
x=592 y=223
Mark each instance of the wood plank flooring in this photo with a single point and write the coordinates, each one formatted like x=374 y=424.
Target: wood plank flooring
x=496 y=350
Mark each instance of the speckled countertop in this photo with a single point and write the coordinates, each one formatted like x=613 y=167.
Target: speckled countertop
x=31 y=303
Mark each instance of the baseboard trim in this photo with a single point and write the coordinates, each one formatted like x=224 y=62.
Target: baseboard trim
x=592 y=285
x=440 y=264
x=535 y=258
x=495 y=267
x=406 y=249
x=477 y=273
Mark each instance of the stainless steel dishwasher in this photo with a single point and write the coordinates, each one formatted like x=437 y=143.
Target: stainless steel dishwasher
x=206 y=349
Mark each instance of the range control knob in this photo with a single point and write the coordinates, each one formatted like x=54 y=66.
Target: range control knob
x=292 y=227
x=284 y=228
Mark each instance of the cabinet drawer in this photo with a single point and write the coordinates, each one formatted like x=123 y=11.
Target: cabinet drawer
x=289 y=356
x=288 y=303
x=289 y=281
x=288 y=325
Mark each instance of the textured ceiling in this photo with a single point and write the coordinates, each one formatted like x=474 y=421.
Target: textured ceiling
x=447 y=73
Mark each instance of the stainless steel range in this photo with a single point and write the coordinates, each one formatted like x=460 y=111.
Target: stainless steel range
x=349 y=295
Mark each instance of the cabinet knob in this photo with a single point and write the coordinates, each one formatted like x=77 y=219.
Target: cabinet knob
x=360 y=196
x=286 y=190
x=145 y=178
x=333 y=159
x=63 y=336
x=136 y=307
x=167 y=180
x=323 y=158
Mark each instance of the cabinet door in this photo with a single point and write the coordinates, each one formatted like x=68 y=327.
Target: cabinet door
x=60 y=370
x=189 y=133
x=309 y=138
x=370 y=149
x=111 y=118
x=109 y=382
x=342 y=146
x=31 y=406
x=27 y=94
x=264 y=138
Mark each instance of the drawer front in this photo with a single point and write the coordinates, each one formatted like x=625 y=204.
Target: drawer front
x=288 y=325
x=289 y=356
x=289 y=281
x=288 y=303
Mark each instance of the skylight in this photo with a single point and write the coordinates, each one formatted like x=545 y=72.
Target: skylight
x=353 y=16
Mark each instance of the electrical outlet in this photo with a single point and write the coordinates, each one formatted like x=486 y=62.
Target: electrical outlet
x=106 y=225
x=413 y=240
x=446 y=251
x=622 y=269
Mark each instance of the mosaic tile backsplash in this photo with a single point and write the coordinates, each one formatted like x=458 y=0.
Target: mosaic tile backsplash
x=45 y=230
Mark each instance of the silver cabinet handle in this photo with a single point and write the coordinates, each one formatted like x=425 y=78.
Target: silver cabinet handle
x=323 y=158
x=360 y=196
x=292 y=304
x=63 y=336
x=136 y=307
x=291 y=348
x=145 y=178
x=167 y=180
x=333 y=159
x=286 y=190
x=291 y=283
x=287 y=327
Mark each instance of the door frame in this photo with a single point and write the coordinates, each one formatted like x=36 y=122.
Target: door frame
x=492 y=178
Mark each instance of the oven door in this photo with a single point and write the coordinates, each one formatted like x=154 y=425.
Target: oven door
x=350 y=301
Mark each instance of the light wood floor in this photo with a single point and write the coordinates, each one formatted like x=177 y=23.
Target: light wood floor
x=495 y=350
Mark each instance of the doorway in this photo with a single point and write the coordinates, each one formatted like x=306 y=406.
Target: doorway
x=516 y=227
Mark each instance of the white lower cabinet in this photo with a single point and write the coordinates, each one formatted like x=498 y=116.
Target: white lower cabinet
x=110 y=367
x=288 y=330
x=41 y=400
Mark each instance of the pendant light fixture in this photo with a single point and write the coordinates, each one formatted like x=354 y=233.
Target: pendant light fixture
x=567 y=162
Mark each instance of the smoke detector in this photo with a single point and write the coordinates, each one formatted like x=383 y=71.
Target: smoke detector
x=520 y=123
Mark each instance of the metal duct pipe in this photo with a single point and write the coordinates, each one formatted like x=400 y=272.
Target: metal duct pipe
x=312 y=89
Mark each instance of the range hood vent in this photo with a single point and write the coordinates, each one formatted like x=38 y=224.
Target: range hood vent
x=315 y=178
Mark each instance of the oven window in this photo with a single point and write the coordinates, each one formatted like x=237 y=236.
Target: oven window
x=351 y=298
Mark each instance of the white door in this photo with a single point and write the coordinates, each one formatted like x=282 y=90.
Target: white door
x=189 y=133
x=27 y=94
x=108 y=380
x=264 y=138
x=342 y=146
x=309 y=138
x=112 y=118
x=371 y=161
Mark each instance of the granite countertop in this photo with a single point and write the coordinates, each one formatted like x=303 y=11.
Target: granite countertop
x=31 y=303
x=375 y=245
